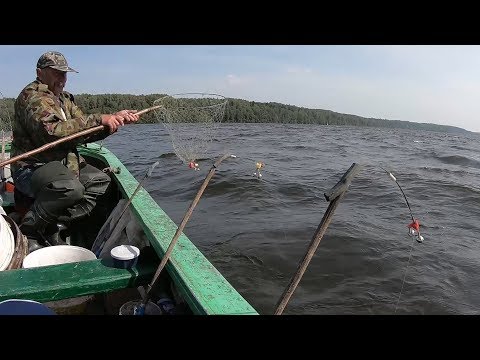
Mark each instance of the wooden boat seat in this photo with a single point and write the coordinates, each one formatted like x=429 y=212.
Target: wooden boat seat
x=57 y=282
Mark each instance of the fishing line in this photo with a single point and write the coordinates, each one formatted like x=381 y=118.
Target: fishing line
x=443 y=247
x=192 y=119
x=413 y=227
x=413 y=231
x=257 y=167
x=404 y=275
x=140 y=308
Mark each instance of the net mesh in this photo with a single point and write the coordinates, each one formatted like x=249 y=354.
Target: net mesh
x=191 y=120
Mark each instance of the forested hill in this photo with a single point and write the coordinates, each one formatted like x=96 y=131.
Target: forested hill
x=243 y=111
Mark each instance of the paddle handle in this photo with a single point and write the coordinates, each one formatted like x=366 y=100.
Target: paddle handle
x=65 y=139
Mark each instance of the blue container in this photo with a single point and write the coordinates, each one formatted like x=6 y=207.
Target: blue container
x=24 y=307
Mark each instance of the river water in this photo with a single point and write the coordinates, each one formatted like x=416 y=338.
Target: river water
x=255 y=232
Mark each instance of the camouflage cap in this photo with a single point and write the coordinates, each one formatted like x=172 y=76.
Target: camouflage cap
x=55 y=60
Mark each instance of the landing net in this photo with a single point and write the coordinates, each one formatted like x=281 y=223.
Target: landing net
x=191 y=120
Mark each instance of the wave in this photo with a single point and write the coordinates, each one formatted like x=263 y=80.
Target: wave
x=256 y=231
x=459 y=160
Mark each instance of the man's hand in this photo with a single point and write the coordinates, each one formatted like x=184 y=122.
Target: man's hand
x=128 y=116
x=113 y=121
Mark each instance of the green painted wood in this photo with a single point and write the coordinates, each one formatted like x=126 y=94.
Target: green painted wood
x=201 y=284
x=57 y=282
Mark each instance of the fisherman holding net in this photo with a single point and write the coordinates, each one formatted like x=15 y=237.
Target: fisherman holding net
x=62 y=186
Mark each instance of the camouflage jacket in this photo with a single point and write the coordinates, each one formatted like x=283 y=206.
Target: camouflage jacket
x=40 y=118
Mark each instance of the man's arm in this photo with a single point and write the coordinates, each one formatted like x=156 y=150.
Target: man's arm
x=112 y=121
x=47 y=121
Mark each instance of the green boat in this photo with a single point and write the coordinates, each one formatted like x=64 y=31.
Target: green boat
x=98 y=287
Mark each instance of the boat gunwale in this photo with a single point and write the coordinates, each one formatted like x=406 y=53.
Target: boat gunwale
x=198 y=281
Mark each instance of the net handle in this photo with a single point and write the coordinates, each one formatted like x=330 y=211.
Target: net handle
x=66 y=138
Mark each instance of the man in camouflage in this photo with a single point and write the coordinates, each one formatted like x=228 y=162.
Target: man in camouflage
x=59 y=180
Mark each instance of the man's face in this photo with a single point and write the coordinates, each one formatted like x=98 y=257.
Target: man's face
x=55 y=79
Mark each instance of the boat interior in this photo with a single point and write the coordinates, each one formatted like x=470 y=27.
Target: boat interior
x=95 y=287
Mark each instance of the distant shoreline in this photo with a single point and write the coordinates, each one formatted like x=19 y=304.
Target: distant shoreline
x=241 y=111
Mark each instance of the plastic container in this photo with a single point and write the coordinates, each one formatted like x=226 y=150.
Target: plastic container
x=62 y=254
x=129 y=307
x=125 y=256
x=7 y=244
x=24 y=307
x=59 y=254
x=2 y=210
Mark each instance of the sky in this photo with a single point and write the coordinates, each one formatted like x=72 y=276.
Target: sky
x=437 y=84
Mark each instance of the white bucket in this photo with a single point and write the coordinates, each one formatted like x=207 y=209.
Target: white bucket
x=59 y=254
x=7 y=244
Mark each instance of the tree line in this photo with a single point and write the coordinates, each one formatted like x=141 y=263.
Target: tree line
x=236 y=111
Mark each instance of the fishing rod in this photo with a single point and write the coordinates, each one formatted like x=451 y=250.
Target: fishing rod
x=413 y=230
x=140 y=308
x=140 y=183
x=65 y=139
x=414 y=227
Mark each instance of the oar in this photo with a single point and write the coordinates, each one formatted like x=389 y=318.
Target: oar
x=65 y=139
x=140 y=310
x=334 y=195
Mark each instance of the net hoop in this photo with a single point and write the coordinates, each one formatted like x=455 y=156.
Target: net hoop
x=191 y=119
x=217 y=100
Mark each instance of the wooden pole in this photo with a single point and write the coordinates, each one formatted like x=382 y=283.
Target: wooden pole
x=147 y=174
x=180 y=228
x=65 y=139
x=334 y=195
